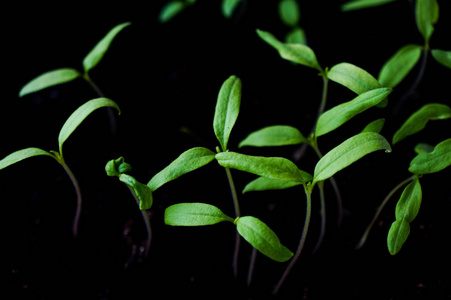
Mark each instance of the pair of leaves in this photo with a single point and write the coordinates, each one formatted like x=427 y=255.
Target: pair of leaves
x=257 y=233
x=406 y=210
x=173 y=8
x=69 y=126
x=63 y=75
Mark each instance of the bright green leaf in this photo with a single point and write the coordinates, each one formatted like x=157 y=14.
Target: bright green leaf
x=49 y=79
x=397 y=235
x=228 y=7
x=427 y=13
x=418 y=120
x=194 y=214
x=289 y=12
x=437 y=160
x=423 y=148
x=375 y=126
x=265 y=184
x=97 y=53
x=79 y=115
x=188 y=161
x=112 y=166
x=262 y=238
x=409 y=204
x=443 y=57
x=142 y=191
x=296 y=53
x=360 y=4
x=21 y=155
x=340 y=114
x=277 y=135
x=296 y=36
x=271 y=167
x=354 y=78
x=170 y=10
x=347 y=153
x=227 y=109
x=399 y=65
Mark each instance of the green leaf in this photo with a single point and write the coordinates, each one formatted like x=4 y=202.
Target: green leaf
x=21 y=155
x=397 y=235
x=437 y=160
x=277 y=135
x=49 y=79
x=375 y=126
x=228 y=7
x=170 y=10
x=354 y=78
x=409 y=204
x=423 y=148
x=262 y=238
x=188 y=161
x=79 y=115
x=296 y=36
x=265 y=184
x=97 y=53
x=340 y=114
x=194 y=214
x=296 y=53
x=347 y=153
x=271 y=167
x=289 y=12
x=418 y=120
x=427 y=12
x=360 y=4
x=227 y=109
x=399 y=65
x=443 y=57
x=112 y=166
x=142 y=191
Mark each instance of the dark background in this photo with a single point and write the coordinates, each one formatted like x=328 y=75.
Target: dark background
x=166 y=77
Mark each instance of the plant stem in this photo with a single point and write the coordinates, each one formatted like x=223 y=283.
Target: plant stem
x=77 y=190
x=308 y=192
x=237 y=215
x=379 y=210
x=146 y=221
x=251 y=266
x=323 y=216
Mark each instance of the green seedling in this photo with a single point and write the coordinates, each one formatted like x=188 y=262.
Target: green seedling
x=69 y=126
x=429 y=159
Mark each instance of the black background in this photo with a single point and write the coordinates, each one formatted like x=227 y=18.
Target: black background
x=166 y=77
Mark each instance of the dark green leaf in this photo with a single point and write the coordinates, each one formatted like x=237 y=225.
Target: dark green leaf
x=397 y=235
x=194 y=214
x=142 y=191
x=354 y=78
x=262 y=238
x=340 y=114
x=375 y=126
x=347 y=153
x=409 y=204
x=277 y=135
x=79 y=115
x=427 y=12
x=170 y=10
x=360 y=4
x=97 y=53
x=21 y=155
x=49 y=79
x=264 y=184
x=423 y=148
x=289 y=12
x=271 y=167
x=399 y=65
x=296 y=36
x=437 y=160
x=418 y=120
x=227 y=109
x=296 y=53
x=188 y=161
x=443 y=57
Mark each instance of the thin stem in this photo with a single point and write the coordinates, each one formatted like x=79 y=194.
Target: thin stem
x=251 y=266
x=379 y=210
x=308 y=192
x=146 y=221
x=323 y=216
x=77 y=190
x=237 y=215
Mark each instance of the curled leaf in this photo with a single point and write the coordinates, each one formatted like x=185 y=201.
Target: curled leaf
x=262 y=238
x=142 y=191
x=194 y=214
x=354 y=78
x=277 y=135
x=431 y=162
x=49 y=79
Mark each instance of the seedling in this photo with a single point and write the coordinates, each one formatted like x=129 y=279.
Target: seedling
x=75 y=119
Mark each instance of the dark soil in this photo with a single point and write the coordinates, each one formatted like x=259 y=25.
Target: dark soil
x=166 y=77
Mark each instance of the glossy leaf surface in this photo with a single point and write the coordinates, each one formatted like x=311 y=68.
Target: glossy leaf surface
x=271 y=167
x=418 y=120
x=194 y=214
x=349 y=152
x=142 y=191
x=360 y=4
x=227 y=109
x=431 y=162
x=427 y=13
x=97 y=53
x=354 y=78
x=21 y=155
x=340 y=114
x=399 y=65
x=277 y=135
x=49 y=79
x=296 y=53
x=443 y=57
x=262 y=238
x=265 y=184
x=79 y=115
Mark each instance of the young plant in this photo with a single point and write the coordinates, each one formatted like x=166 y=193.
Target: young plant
x=75 y=119
x=429 y=159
